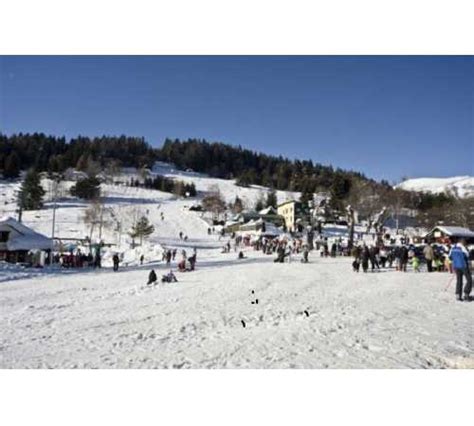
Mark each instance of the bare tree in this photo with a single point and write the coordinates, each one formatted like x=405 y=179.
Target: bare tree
x=366 y=200
x=97 y=216
x=112 y=170
x=92 y=216
x=351 y=220
x=144 y=173
x=93 y=168
x=214 y=202
x=460 y=212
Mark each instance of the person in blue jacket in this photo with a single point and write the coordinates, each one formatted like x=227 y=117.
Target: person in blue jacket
x=460 y=258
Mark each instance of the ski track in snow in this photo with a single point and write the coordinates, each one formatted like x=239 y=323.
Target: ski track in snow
x=102 y=319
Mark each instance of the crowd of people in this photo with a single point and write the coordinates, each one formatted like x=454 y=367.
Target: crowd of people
x=435 y=257
x=438 y=258
x=78 y=259
x=366 y=257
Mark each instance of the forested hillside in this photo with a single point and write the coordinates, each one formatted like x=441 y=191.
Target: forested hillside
x=51 y=153
x=55 y=154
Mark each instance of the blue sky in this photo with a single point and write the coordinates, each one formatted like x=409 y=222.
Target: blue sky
x=387 y=117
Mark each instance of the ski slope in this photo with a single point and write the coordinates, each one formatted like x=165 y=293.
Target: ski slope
x=460 y=186
x=227 y=188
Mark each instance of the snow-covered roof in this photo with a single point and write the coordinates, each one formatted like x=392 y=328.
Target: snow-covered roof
x=25 y=238
x=455 y=231
x=268 y=210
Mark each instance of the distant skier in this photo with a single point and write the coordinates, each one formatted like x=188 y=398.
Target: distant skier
x=116 y=261
x=142 y=258
x=174 y=253
x=151 y=277
x=180 y=235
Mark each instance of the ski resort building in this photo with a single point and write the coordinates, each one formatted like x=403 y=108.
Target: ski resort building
x=291 y=211
x=450 y=234
x=238 y=222
x=18 y=243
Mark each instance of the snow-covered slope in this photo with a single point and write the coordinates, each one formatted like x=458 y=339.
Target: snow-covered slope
x=315 y=315
x=228 y=188
x=461 y=186
x=123 y=205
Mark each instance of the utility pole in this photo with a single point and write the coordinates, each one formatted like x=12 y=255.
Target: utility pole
x=55 y=187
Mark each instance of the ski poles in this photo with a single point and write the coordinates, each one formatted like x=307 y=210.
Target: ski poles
x=450 y=282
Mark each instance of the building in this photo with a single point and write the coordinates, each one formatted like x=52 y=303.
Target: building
x=450 y=234
x=17 y=241
x=292 y=212
x=267 y=215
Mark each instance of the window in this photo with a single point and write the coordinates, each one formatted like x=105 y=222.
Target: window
x=4 y=236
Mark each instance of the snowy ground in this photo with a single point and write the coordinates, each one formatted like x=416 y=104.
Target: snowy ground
x=110 y=320
x=86 y=319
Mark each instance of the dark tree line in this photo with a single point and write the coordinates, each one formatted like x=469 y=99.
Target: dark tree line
x=165 y=184
x=55 y=154
x=252 y=168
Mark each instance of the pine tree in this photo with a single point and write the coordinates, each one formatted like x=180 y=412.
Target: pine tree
x=306 y=196
x=87 y=189
x=178 y=188
x=83 y=162
x=12 y=166
x=142 y=229
x=238 y=206
x=272 y=200
x=259 y=205
x=31 y=192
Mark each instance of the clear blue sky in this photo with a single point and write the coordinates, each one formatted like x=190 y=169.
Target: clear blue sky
x=387 y=117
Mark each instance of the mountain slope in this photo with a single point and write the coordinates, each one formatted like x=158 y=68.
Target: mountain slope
x=462 y=186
